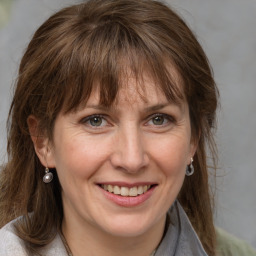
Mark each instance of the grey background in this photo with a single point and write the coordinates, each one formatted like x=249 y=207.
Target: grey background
x=226 y=29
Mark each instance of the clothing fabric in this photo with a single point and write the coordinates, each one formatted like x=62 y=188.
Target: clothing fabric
x=180 y=238
x=228 y=245
x=12 y=245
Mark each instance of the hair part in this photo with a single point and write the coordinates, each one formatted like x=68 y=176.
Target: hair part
x=97 y=43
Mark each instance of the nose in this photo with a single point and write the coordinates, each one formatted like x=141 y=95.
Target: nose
x=129 y=152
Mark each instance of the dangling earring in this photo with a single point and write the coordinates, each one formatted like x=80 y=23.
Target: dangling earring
x=190 y=168
x=48 y=176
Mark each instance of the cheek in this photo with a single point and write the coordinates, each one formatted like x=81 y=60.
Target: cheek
x=171 y=156
x=79 y=157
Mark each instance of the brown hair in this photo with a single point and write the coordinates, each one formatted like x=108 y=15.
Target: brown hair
x=72 y=50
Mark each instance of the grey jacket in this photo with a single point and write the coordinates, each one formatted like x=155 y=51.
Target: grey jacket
x=180 y=239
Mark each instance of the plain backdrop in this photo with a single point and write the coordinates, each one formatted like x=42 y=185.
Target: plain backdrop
x=226 y=30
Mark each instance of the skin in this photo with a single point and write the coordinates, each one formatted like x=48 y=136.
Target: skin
x=137 y=140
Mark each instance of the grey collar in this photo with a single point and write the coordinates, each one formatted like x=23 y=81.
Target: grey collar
x=180 y=238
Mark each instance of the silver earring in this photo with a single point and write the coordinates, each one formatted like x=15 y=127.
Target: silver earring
x=190 y=168
x=48 y=176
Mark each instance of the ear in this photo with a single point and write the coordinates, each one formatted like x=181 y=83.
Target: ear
x=41 y=143
x=192 y=150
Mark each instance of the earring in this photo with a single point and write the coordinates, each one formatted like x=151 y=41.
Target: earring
x=190 y=168
x=48 y=176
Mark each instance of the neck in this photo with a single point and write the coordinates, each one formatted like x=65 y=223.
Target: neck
x=88 y=240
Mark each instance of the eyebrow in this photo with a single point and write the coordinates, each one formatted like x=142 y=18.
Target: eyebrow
x=99 y=107
x=157 y=107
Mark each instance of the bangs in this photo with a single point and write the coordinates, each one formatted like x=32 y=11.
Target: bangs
x=106 y=57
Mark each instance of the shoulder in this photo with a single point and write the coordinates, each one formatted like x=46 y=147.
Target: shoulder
x=230 y=245
x=10 y=243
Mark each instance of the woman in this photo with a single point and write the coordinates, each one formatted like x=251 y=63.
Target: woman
x=112 y=113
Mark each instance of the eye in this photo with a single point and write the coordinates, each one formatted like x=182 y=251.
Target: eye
x=160 y=120
x=96 y=121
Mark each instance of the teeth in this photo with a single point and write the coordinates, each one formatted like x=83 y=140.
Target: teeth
x=109 y=188
x=140 y=190
x=125 y=191
x=117 y=190
x=133 y=191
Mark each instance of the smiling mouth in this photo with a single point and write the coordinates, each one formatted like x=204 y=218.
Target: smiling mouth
x=125 y=191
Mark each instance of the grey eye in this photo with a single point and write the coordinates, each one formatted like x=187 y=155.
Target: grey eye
x=158 y=120
x=95 y=121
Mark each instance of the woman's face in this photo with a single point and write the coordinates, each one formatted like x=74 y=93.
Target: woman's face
x=122 y=167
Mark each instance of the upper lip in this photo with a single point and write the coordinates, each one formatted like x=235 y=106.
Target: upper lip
x=126 y=184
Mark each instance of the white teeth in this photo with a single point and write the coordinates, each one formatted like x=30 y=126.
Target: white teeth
x=133 y=191
x=140 y=190
x=109 y=188
x=125 y=191
x=117 y=190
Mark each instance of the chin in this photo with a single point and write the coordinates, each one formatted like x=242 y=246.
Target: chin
x=129 y=226
x=131 y=231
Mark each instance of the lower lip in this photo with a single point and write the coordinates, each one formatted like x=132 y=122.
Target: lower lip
x=128 y=201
